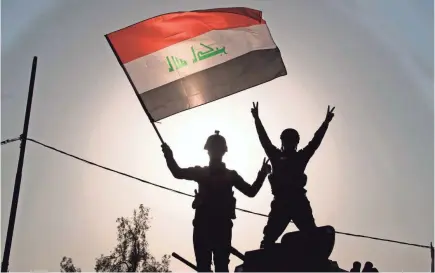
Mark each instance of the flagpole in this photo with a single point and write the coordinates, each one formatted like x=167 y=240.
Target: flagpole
x=237 y=253
x=186 y=262
x=16 y=193
x=135 y=90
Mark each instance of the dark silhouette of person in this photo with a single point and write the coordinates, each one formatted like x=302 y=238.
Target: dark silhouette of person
x=214 y=202
x=356 y=267
x=288 y=178
x=368 y=267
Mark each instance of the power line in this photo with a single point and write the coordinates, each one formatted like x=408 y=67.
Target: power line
x=190 y=195
x=10 y=140
x=108 y=169
x=382 y=239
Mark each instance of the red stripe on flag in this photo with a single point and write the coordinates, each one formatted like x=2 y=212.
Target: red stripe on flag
x=153 y=34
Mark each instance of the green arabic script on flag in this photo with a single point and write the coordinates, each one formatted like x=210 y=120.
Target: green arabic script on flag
x=175 y=63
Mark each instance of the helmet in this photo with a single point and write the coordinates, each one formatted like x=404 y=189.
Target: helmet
x=290 y=133
x=216 y=141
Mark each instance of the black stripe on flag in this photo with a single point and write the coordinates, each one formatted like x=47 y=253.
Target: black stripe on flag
x=238 y=74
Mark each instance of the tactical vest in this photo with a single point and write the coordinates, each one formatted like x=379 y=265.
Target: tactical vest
x=216 y=199
x=288 y=176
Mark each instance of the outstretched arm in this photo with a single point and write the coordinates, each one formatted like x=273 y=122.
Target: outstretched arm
x=314 y=144
x=252 y=190
x=177 y=172
x=268 y=147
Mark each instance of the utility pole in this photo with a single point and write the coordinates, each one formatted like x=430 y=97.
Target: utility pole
x=431 y=257
x=16 y=194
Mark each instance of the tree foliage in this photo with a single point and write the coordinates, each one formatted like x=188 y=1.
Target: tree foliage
x=67 y=265
x=131 y=254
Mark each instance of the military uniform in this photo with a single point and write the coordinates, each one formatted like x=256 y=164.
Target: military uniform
x=287 y=181
x=290 y=201
x=214 y=205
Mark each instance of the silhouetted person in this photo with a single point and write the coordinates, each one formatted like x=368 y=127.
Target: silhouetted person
x=356 y=267
x=288 y=178
x=368 y=267
x=214 y=202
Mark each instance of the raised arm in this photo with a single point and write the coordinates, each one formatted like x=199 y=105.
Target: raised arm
x=314 y=144
x=177 y=172
x=268 y=147
x=252 y=190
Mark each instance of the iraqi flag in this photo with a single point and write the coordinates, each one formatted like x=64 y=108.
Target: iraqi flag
x=182 y=60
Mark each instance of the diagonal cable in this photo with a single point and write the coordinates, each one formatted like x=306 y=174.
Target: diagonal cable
x=190 y=195
x=10 y=140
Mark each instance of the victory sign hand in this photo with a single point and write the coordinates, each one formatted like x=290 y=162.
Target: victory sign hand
x=329 y=114
x=254 y=110
x=266 y=168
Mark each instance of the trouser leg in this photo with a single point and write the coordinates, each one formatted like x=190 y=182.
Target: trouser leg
x=302 y=214
x=201 y=245
x=222 y=249
x=278 y=219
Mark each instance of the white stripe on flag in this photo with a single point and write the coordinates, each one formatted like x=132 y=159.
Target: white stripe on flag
x=196 y=54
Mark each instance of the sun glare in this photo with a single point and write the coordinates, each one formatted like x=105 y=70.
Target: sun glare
x=192 y=132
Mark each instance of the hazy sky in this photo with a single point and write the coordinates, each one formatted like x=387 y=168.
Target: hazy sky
x=373 y=174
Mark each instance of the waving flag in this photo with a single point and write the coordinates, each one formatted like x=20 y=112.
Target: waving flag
x=181 y=60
